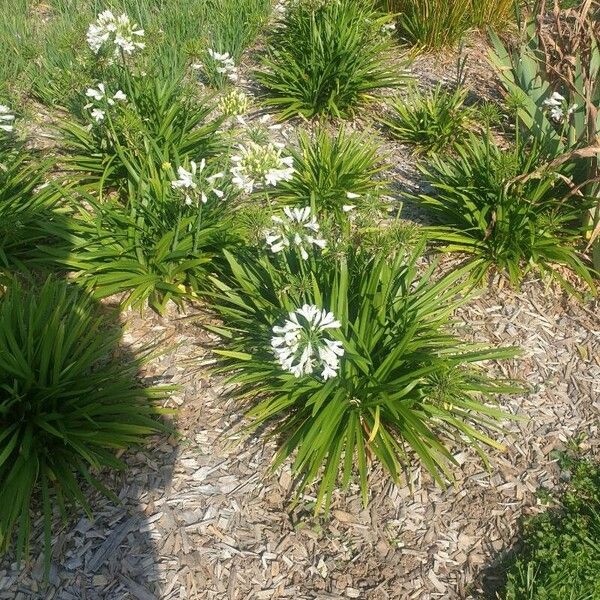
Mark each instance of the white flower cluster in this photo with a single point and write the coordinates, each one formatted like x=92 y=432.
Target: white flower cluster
x=260 y=165
x=6 y=119
x=301 y=345
x=233 y=104
x=296 y=229
x=118 y=31
x=388 y=28
x=226 y=65
x=556 y=105
x=192 y=182
x=99 y=94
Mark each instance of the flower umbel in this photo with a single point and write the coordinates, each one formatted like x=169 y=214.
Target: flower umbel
x=225 y=64
x=297 y=229
x=233 y=104
x=6 y=119
x=556 y=105
x=301 y=345
x=100 y=95
x=118 y=31
x=195 y=185
x=260 y=166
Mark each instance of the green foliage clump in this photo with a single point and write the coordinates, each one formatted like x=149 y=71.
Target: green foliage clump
x=67 y=404
x=433 y=120
x=403 y=388
x=560 y=557
x=27 y=202
x=333 y=171
x=158 y=122
x=437 y=24
x=327 y=58
x=494 y=205
x=157 y=246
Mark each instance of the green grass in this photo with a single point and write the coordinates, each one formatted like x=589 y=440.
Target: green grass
x=559 y=554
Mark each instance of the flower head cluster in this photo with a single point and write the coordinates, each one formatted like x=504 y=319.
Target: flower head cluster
x=233 y=104
x=194 y=184
x=556 y=105
x=297 y=229
x=100 y=95
x=226 y=65
x=6 y=119
x=301 y=345
x=260 y=165
x=119 y=32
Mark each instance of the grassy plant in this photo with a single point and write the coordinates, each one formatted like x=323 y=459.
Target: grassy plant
x=66 y=407
x=25 y=206
x=436 y=24
x=333 y=171
x=496 y=206
x=327 y=58
x=157 y=123
x=401 y=388
x=158 y=247
x=558 y=558
x=433 y=120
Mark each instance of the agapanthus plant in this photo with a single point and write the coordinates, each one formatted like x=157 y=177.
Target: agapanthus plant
x=352 y=360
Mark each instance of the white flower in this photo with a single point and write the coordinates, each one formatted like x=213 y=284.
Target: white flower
x=226 y=64
x=192 y=182
x=118 y=31
x=301 y=345
x=556 y=106
x=260 y=166
x=100 y=95
x=96 y=93
x=295 y=230
x=98 y=114
x=6 y=119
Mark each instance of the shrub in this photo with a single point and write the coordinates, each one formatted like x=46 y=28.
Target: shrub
x=348 y=358
x=327 y=58
x=136 y=126
x=432 y=120
x=67 y=404
x=333 y=172
x=493 y=205
x=158 y=246
x=559 y=557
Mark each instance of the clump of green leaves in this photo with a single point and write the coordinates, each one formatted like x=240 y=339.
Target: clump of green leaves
x=496 y=206
x=437 y=24
x=67 y=405
x=156 y=246
x=157 y=121
x=403 y=387
x=559 y=556
x=430 y=120
x=334 y=171
x=327 y=58
x=25 y=205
